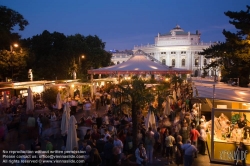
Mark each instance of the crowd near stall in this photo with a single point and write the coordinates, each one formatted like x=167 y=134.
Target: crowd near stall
x=100 y=123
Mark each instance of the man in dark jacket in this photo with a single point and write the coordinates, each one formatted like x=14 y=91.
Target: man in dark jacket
x=108 y=148
x=100 y=147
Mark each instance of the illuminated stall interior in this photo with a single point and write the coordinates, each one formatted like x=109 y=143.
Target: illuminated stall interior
x=229 y=127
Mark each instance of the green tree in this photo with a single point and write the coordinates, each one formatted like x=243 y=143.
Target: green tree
x=13 y=60
x=54 y=55
x=140 y=96
x=232 y=57
x=12 y=64
x=8 y=20
x=48 y=57
x=49 y=95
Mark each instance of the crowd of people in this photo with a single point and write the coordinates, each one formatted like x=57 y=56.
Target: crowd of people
x=177 y=136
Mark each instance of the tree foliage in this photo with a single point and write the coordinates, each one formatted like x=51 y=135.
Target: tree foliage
x=233 y=55
x=50 y=55
x=49 y=95
x=12 y=64
x=56 y=56
x=140 y=96
x=12 y=60
x=8 y=20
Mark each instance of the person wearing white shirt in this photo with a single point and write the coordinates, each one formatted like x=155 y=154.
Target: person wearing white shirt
x=203 y=139
x=87 y=107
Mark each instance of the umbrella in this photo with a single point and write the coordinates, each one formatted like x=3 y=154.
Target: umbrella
x=65 y=119
x=72 y=136
x=5 y=100
x=174 y=96
x=179 y=92
x=30 y=102
x=150 y=120
x=167 y=106
x=58 y=101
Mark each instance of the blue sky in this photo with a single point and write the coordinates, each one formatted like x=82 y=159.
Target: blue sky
x=125 y=23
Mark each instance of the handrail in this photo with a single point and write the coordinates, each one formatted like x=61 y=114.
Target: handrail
x=151 y=57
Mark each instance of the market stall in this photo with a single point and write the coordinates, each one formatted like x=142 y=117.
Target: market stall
x=226 y=131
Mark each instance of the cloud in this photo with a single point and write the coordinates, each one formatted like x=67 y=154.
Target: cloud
x=217 y=27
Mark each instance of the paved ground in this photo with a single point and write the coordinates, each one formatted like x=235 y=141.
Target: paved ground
x=13 y=141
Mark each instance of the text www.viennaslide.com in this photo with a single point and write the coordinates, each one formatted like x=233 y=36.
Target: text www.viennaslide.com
x=31 y=159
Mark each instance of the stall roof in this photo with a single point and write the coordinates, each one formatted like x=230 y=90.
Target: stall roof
x=223 y=92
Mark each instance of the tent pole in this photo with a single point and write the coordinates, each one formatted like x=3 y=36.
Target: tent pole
x=92 y=87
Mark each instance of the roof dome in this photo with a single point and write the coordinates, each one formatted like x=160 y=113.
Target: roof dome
x=177 y=28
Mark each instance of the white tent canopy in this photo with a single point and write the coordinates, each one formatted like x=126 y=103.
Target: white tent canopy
x=139 y=64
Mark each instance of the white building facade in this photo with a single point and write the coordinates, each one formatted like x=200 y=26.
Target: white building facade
x=120 y=56
x=179 y=49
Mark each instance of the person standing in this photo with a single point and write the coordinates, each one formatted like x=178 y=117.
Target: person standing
x=23 y=154
x=108 y=103
x=149 y=144
x=203 y=139
x=241 y=152
x=178 y=151
x=73 y=107
x=118 y=143
x=157 y=138
x=141 y=155
x=189 y=152
x=108 y=147
x=169 y=142
x=31 y=124
x=194 y=135
x=87 y=107
x=49 y=147
x=97 y=100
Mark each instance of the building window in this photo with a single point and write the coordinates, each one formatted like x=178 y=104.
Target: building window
x=191 y=38
x=205 y=62
x=118 y=62
x=173 y=52
x=163 y=61
x=183 y=62
x=152 y=53
x=196 y=62
x=173 y=62
x=183 y=52
x=163 y=52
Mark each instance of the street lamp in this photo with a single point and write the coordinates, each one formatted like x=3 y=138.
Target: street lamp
x=79 y=63
x=11 y=58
